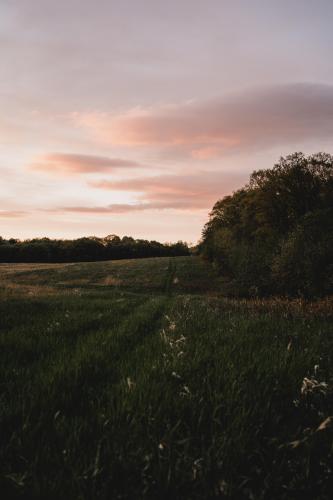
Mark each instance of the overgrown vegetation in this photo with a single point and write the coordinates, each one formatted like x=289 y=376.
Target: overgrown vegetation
x=86 y=249
x=275 y=235
x=137 y=379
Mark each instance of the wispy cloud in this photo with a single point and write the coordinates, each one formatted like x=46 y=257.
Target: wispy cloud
x=70 y=164
x=257 y=118
x=9 y=214
x=115 y=208
x=165 y=192
x=181 y=192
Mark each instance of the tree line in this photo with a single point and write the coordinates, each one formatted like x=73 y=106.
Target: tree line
x=86 y=249
x=275 y=235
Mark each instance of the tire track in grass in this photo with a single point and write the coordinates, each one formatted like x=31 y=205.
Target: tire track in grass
x=170 y=276
x=81 y=367
x=98 y=360
x=77 y=386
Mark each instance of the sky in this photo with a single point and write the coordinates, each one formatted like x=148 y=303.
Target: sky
x=133 y=117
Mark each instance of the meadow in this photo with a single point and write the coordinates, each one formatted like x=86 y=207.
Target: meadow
x=138 y=379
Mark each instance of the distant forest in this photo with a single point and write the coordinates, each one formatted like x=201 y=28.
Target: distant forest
x=275 y=235
x=86 y=249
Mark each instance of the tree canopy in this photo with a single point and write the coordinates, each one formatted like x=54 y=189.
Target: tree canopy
x=86 y=249
x=275 y=235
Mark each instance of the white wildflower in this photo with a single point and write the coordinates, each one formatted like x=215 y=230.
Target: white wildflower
x=185 y=392
x=56 y=415
x=130 y=383
x=164 y=336
x=310 y=385
x=325 y=424
x=197 y=467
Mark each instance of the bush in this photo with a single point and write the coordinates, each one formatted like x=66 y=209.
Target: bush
x=304 y=264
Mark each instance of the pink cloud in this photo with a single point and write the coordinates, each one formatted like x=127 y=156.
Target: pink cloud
x=206 y=152
x=69 y=164
x=256 y=118
x=166 y=192
x=192 y=192
x=119 y=208
x=9 y=214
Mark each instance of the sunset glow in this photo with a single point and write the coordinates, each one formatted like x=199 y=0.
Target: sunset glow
x=135 y=117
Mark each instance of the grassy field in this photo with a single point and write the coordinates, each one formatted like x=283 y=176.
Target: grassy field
x=138 y=379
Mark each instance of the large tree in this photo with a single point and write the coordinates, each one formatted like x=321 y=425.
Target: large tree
x=260 y=232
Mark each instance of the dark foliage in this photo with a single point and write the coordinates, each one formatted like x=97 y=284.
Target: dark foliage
x=276 y=234
x=86 y=249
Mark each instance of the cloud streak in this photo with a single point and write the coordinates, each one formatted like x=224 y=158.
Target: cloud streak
x=166 y=192
x=257 y=118
x=12 y=214
x=192 y=192
x=117 y=208
x=71 y=164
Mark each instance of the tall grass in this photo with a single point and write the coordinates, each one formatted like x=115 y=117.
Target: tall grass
x=161 y=388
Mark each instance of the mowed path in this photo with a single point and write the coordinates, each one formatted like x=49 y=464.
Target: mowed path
x=158 y=275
